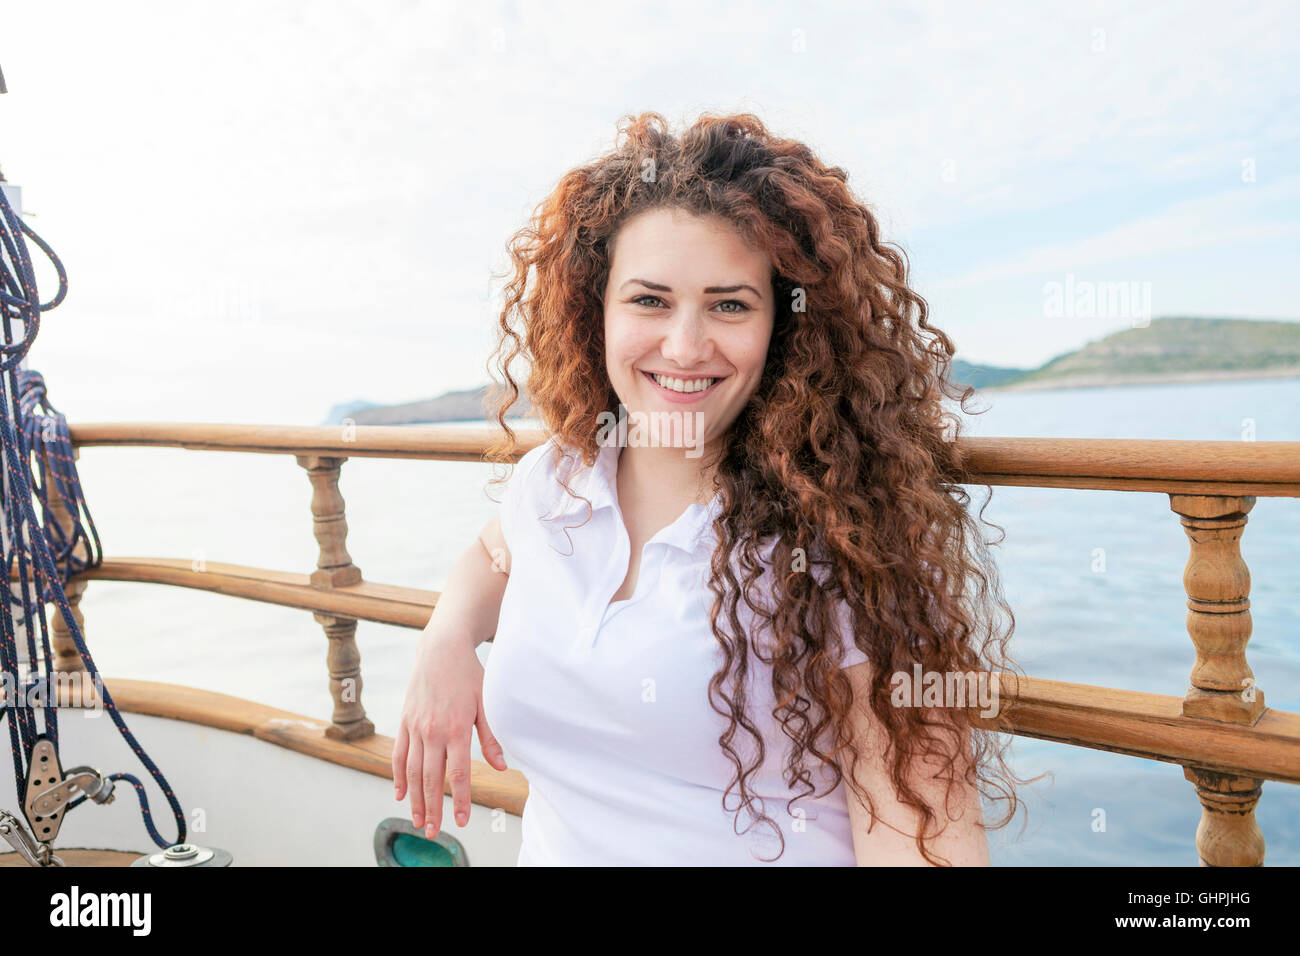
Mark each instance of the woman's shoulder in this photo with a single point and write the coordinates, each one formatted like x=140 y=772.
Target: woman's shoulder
x=541 y=473
x=548 y=461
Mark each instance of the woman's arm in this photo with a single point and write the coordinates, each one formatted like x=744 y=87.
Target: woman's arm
x=470 y=604
x=963 y=840
x=443 y=701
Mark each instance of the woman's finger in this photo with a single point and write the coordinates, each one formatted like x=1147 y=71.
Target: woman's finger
x=435 y=762
x=414 y=780
x=458 y=776
x=488 y=744
x=399 y=760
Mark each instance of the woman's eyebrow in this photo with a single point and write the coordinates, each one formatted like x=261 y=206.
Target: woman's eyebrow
x=709 y=291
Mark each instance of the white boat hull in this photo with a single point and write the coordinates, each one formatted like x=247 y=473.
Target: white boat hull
x=265 y=804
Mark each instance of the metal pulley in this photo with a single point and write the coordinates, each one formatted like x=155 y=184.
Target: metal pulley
x=186 y=854
x=48 y=792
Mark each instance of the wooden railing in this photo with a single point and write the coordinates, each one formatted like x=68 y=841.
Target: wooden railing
x=1221 y=732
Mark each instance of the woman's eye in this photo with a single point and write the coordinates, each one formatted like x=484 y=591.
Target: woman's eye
x=739 y=306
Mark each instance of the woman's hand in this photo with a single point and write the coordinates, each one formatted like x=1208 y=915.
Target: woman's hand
x=444 y=701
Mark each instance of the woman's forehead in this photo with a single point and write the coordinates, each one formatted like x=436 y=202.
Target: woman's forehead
x=682 y=257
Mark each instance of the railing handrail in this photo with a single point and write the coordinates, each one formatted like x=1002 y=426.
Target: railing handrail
x=1193 y=467
x=1222 y=733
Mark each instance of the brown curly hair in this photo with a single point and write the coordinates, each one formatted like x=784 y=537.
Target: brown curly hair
x=843 y=450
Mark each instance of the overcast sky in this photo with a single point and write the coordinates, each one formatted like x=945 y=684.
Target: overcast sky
x=267 y=208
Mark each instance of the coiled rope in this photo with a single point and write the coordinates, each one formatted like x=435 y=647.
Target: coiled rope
x=47 y=553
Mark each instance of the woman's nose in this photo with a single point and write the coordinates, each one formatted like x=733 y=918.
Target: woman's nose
x=686 y=342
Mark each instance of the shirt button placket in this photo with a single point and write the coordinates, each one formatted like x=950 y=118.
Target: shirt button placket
x=589 y=629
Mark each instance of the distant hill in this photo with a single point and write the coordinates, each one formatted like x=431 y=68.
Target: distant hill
x=348 y=410
x=1174 y=349
x=983 y=376
x=464 y=405
x=1171 y=349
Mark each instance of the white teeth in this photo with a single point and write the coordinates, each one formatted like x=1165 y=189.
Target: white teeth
x=684 y=385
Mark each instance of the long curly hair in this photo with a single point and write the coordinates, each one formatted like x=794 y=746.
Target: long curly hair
x=843 y=451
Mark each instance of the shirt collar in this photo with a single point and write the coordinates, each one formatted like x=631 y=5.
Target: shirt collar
x=691 y=532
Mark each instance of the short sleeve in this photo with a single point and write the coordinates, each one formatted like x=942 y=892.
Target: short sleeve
x=842 y=613
x=515 y=499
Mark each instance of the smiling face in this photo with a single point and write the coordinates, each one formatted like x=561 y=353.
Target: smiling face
x=689 y=310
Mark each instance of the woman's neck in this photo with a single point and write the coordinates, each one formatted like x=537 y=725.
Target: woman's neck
x=667 y=474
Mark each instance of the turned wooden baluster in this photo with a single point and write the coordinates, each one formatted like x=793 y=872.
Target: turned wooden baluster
x=66 y=657
x=334 y=568
x=1217 y=582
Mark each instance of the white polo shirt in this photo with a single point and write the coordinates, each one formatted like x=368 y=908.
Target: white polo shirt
x=605 y=708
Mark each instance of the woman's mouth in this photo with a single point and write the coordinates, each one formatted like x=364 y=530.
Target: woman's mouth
x=682 y=390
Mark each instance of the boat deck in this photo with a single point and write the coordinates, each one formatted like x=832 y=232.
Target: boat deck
x=80 y=857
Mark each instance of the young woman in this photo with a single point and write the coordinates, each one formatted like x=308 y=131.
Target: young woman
x=744 y=535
